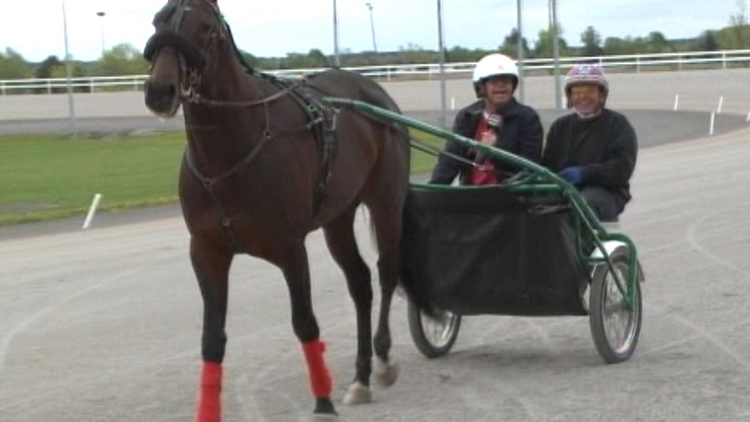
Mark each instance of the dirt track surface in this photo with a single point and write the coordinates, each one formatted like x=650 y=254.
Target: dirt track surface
x=104 y=325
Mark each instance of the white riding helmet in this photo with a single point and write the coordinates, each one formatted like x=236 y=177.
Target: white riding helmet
x=494 y=65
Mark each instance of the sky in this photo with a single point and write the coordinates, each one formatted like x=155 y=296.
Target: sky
x=34 y=28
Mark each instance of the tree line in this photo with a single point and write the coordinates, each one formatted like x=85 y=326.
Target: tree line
x=125 y=59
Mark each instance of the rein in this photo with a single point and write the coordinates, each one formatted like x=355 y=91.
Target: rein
x=429 y=149
x=190 y=95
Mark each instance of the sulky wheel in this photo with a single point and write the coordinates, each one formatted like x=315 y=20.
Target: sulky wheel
x=433 y=335
x=614 y=327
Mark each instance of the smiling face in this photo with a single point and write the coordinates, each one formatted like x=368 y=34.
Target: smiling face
x=498 y=90
x=586 y=98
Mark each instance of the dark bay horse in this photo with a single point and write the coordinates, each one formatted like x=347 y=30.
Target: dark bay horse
x=266 y=164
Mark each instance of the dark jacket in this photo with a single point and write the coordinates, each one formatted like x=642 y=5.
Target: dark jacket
x=521 y=134
x=605 y=148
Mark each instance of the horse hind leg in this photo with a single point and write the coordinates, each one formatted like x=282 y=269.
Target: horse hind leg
x=211 y=268
x=342 y=244
x=386 y=371
x=386 y=210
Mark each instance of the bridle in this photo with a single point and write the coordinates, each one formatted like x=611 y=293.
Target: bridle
x=194 y=59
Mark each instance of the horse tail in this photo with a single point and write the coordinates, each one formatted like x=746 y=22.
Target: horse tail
x=373 y=93
x=410 y=283
x=414 y=289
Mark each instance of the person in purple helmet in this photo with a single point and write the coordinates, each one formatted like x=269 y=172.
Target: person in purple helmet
x=593 y=148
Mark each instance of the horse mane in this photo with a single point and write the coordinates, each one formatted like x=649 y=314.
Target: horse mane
x=249 y=69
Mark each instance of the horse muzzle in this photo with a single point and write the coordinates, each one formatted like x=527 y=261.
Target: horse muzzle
x=162 y=99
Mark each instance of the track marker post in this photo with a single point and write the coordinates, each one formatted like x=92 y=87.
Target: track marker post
x=92 y=211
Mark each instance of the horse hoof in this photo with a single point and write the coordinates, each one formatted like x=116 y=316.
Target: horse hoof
x=386 y=373
x=357 y=394
x=324 y=417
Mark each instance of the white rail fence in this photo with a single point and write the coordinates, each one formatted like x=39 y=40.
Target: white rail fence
x=622 y=63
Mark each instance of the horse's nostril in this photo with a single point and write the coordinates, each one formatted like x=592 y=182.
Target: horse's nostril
x=170 y=90
x=162 y=98
x=160 y=90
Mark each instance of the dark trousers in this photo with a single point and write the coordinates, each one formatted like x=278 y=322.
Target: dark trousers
x=607 y=205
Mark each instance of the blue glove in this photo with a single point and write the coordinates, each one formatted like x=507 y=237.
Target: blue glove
x=573 y=175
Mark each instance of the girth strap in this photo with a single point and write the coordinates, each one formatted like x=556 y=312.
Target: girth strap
x=324 y=129
x=322 y=123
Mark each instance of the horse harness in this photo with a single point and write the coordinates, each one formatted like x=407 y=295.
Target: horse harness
x=322 y=123
x=321 y=119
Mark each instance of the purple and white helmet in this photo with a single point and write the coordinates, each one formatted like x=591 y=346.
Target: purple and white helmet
x=586 y=74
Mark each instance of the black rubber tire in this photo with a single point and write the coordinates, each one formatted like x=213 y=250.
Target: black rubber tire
x=601 y=309
x=449 y=322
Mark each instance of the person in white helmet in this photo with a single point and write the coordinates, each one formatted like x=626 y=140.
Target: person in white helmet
x=496 y=119
x=593 y=148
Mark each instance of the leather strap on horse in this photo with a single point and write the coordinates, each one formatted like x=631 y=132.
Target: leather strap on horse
x=173 y=14
x=192 y=54
x=322 y=123
x=323 y=120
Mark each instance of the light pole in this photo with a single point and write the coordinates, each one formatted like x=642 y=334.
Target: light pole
x=372 y=27
x=69 y=74
x=102 y=15
x=521 y=93
x=555 y=31
x=441 y=55
x=336 y=35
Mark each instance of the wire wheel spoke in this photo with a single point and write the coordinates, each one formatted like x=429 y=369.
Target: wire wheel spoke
x=619 y=320
x=433 y=333
x=615 y=325
x=438 y=329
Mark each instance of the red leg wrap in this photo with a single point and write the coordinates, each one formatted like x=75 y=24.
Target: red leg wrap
x=320 y=378
x=209 y=404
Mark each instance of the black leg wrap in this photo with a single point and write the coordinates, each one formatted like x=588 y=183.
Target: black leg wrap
x=364 y=370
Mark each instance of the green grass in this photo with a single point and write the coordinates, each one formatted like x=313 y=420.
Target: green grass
x=53 y=177
x=50 y=177
x=422 y=162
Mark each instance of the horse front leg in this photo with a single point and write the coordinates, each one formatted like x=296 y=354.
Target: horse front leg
x=211 y=266
x=297 y=274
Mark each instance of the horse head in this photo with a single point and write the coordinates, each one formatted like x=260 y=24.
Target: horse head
x=188 y=35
